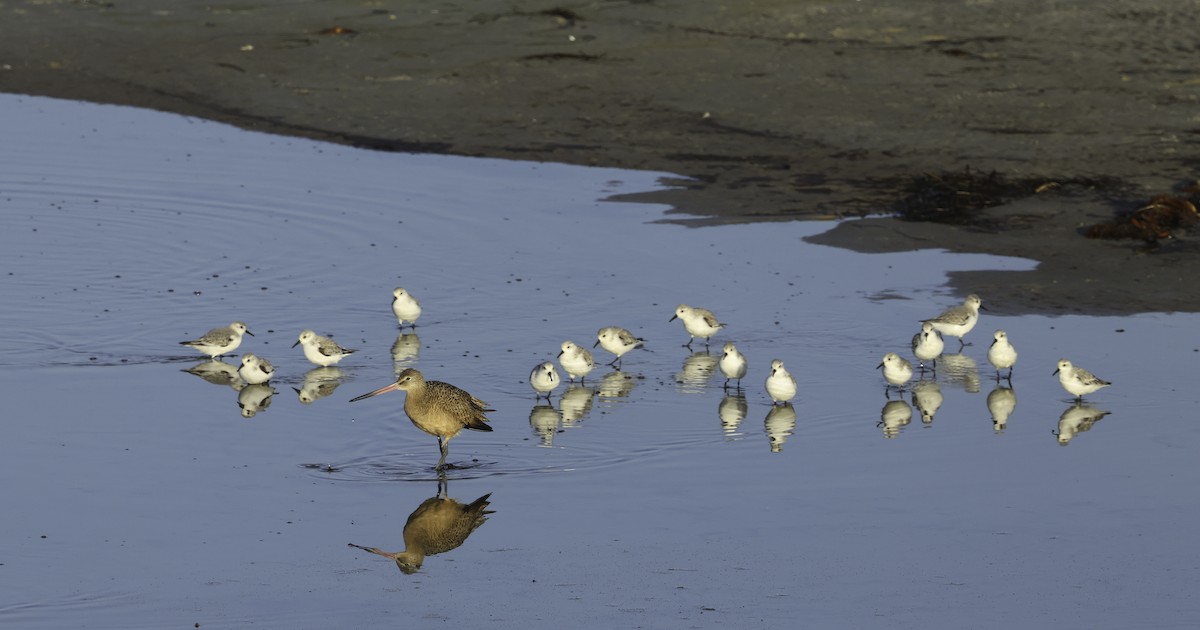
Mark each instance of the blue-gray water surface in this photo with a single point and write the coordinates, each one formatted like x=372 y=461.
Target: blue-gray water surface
x=139 y=494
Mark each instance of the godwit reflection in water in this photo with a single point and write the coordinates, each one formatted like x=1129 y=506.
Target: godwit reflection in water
x=438 y=525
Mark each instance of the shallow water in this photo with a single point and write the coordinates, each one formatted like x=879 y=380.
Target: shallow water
x=139 y=494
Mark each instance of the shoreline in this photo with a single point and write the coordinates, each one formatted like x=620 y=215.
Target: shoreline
x=775 y=110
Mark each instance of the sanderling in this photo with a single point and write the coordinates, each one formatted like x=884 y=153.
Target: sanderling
x=220 y=341
x=439 y=409
x=957 y=321
x=1078 y=381
x=255 y=370
x=321 y=350
x=576 y=361
x=927 y=345
x=699 y=322
x=1002 y=354
x=733 y=364
x=544 y=378
x=781 y=386
x=897 y=371
x=405 y=307
x=618 y=341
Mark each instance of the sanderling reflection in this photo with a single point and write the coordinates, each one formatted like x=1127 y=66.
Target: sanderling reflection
x=1077 y=381
x=1000 y=403
x=927 y=345
x=927 y=398
x=576 y=361
x=544 y=378
x=897 y=371
x=255 y=370
x=322 y=351
x=544 y=420
x=219 y=341
x=216 y=372
x=733 y=364
x=895 y=415
x=405 y=307
x=575 y=404
x=732 y=410
x=781 y=386
x=1002 y=354
x=699 y=322
x=1075 y=420
x=697 y=369
x=319 y=382
x=957 y=321
x=779 y=425
x=618 y=341
x=254 y=398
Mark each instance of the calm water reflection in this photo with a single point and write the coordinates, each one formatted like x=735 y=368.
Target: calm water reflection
x=647 y=511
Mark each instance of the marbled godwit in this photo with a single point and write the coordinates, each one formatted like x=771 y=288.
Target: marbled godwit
x=618 y=341
x=219 y=341
x=437 y=526
x=405 y=307
x=1078 y=381
x=780 y=384
x=321 y=350
x=439 y=409
x=699 y=322
x=957 y=321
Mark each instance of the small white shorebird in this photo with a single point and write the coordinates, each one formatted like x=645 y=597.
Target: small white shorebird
x=405 y=307
x=781 y=386
x=699 y=322
x=897 y=371
x=1078 y=381
x=618 y=341
x=957 y=321
x=220 y=341
x=321 y=350
x=927 y=345
x=1002 y=354
x=733 y=364
x=576 y=361
x=544 y=378
x=255 y=370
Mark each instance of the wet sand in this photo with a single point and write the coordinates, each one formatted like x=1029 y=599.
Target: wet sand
x=774 y=110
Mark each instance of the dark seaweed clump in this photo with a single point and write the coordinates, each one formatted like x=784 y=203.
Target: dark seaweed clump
x=957 y=198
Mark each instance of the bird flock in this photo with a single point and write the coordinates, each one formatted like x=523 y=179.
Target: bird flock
x=444 y=410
